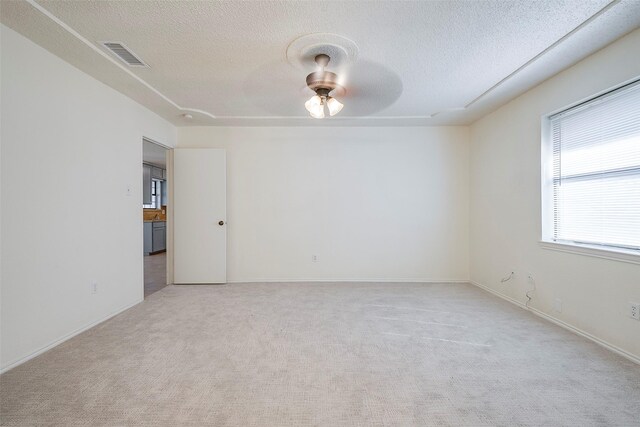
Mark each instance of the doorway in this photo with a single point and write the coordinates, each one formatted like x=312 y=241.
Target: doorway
x=155 y=205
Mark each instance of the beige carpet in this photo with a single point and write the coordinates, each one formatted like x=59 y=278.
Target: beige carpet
x=324 y=355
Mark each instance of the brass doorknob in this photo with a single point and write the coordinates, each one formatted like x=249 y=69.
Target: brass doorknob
x=220 y=222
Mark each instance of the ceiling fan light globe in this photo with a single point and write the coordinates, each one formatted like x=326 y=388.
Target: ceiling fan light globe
x=317 y=112
x=334 y=106
x=312 y=103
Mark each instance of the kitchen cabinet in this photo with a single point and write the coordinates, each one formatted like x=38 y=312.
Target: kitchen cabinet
x=146 y=184
x=156 y=173
x=164 y=201
x=148 y=237
x=155 y=237
x=159 y=236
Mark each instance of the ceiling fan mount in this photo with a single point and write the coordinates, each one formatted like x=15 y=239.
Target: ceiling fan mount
x=322 y=79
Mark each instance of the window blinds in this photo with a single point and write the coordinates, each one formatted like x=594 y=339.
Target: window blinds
x=596 y=170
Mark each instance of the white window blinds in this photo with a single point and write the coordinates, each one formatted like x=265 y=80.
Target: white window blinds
x=596 y=171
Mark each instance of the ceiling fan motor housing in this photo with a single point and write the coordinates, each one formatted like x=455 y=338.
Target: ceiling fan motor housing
x=322 y=82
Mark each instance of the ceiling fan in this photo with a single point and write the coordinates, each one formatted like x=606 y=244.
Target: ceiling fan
x=323 y=82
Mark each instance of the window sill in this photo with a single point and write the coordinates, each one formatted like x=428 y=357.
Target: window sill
x=622 y=255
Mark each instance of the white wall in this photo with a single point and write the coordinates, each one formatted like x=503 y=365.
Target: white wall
x=70 y=147
x=379 y=204
x=506 y=212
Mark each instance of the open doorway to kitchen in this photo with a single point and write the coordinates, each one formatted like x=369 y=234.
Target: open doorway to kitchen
x=155 y=202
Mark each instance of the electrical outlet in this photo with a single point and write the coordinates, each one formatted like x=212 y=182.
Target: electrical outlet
x=635 y=310
x=314 y=258
x=557 y=305
x=530 y=278
x=94 y=288
x=129 y=191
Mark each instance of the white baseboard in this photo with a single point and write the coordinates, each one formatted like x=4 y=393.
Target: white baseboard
x=66 y=337
x=373 y=280
x=563 y=324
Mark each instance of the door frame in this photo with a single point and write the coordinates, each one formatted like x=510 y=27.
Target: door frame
x=169 y=221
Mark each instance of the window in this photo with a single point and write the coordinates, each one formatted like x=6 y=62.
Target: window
x=593 y=172
x=156 y=195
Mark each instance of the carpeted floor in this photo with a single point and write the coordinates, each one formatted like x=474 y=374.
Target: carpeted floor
x=324 y=355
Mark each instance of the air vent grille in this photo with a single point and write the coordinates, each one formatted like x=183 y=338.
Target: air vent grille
x=124 y=54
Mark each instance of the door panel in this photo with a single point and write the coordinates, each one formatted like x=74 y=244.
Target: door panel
x=200 y=243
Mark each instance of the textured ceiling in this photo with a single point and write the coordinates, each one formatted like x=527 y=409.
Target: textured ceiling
x=418 y=63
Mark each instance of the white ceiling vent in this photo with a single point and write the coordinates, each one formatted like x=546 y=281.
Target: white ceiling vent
x=124 y=54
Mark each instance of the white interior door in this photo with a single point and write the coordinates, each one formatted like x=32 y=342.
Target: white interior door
x=200 y=209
